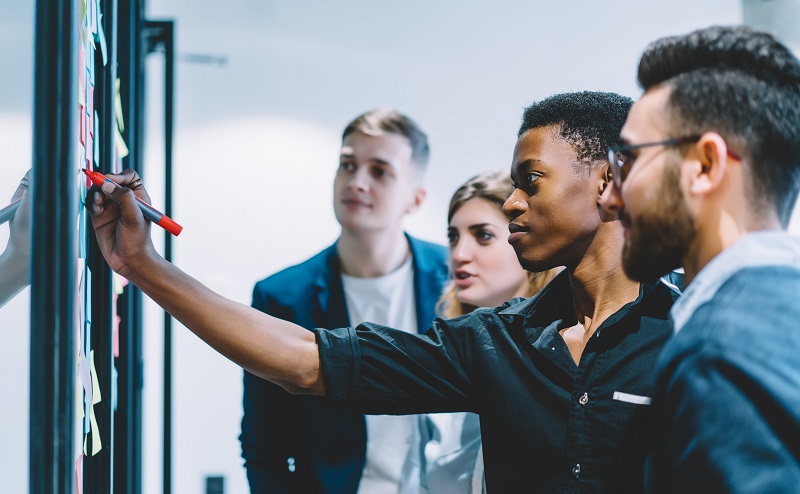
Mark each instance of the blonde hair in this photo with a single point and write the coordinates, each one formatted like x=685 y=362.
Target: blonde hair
x=494 y=187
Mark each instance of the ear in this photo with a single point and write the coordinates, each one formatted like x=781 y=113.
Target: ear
x=603 y=179
x=418 y=199
x=605 y=192
x=710 y=164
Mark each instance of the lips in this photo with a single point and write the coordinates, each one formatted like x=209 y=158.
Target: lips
x=463 y=279
x=355 y=203
x=516 y=232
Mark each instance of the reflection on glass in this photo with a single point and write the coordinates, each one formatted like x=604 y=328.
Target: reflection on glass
x=15 y=259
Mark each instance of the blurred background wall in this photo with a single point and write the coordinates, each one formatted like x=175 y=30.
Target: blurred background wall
x=257 y=142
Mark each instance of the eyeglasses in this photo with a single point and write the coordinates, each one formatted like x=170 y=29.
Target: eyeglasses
x=621 y=158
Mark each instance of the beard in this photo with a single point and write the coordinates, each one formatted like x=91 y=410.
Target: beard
x=658 y=242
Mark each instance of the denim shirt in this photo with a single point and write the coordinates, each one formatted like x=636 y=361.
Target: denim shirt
x=767 y=248
x=726 y=405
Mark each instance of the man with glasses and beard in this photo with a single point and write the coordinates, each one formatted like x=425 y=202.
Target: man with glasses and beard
x=706 y=177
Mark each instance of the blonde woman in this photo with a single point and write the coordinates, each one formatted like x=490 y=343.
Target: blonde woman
x=485 y=273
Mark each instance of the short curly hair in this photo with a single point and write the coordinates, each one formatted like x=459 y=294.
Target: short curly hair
x=589 y=121
x=744 y=85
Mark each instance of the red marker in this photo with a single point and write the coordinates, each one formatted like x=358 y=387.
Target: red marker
x=149 y=211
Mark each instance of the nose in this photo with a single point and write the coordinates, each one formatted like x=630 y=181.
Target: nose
x=611 y=199
x=515 y=204
x=359 y=180
x=461 y=253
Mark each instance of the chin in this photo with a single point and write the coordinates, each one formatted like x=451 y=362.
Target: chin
x=469 y=301
x=649 y=266
x=535 y=265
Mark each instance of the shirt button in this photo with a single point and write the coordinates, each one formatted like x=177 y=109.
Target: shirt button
x=584 y=399
x=576 y=471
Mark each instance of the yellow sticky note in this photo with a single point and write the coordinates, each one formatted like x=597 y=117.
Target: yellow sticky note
x=118 y=109
x=122 y=148
x=95 y=383
x=97 y=444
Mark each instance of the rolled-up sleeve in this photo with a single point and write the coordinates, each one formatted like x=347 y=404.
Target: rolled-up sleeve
x=380 y=370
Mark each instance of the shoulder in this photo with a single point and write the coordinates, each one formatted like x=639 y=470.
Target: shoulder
x=423 y=249
x=755 y=300
x=299 y=277
x=750 y=324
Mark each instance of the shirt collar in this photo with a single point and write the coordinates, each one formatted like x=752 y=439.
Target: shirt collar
x=765 y=248
x=554 y=302
x=557 y=302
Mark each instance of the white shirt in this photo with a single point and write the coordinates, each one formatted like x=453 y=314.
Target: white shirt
x=393 y=442
x=453 y=456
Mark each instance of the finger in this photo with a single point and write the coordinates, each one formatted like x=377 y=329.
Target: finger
x=128 y=177
x=125 y=177
x=94 y=200
x=23 y=186
x=123 y=198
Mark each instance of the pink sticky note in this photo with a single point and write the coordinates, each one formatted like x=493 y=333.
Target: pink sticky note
x=82 y=132
x=90 y=149
x=115 y=320
x=90 y=109
x=79 y=474
x=82 y=59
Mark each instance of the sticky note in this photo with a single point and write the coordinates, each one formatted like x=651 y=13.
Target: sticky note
x=97 y=443
x=118 y=107
x=79 y=474
x=95 y=382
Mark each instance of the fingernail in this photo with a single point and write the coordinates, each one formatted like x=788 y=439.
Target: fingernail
x=107 y=188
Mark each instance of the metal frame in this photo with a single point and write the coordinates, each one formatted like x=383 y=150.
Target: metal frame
x=160 y=35
x=128 y=419
x=53 y=252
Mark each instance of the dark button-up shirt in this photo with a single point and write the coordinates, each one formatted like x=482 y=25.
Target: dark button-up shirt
x=547 y=424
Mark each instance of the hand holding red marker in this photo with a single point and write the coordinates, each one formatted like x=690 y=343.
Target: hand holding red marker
x=148 y=211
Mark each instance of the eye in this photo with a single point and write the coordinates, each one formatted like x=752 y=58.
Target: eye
x=452 y=237
x=529 y=181
x=346 y=166
x=379 y=172
x=484 y=236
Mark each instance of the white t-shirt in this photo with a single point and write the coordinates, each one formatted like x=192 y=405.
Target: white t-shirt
x=393 y=442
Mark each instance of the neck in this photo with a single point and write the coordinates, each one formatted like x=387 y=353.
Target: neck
x=372 y=254
x=599 y=285
x=719 y=232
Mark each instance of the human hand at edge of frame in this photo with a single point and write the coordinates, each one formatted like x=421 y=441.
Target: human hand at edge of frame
x=15 y=261
x=19 y=239
x=121 y=230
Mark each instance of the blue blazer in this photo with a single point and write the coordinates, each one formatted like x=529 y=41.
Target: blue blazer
x=291 y=444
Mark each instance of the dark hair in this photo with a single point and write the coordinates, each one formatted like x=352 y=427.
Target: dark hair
x=589 y=121
x=744 y=85
x=377 y=122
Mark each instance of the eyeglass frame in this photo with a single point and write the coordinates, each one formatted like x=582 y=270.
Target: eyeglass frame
x=617 y=169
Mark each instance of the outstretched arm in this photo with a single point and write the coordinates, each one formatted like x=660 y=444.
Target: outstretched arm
x=273 y=349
